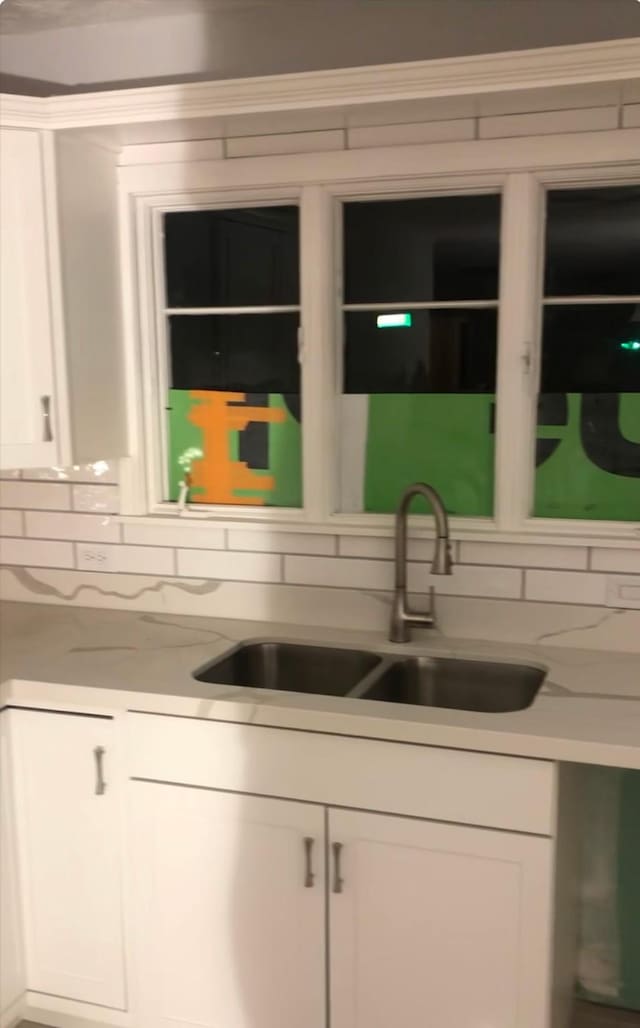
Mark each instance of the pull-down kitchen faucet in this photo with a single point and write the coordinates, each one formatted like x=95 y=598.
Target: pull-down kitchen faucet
x=401 y=616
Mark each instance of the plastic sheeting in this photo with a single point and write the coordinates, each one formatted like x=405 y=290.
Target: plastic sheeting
x=599 y=963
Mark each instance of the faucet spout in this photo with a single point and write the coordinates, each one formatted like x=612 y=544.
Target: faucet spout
x=402 y=617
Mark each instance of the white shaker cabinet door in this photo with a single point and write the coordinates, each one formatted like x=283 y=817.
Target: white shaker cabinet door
x=437 y=925
x=230 y=898
x=68 y=818
x=28 y=436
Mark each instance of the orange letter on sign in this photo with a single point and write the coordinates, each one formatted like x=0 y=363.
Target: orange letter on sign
x=217 y=475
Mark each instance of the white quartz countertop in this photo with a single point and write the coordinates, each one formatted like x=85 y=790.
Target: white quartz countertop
x=101 y=661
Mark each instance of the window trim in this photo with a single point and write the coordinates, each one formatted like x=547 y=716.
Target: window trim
x=320 y=300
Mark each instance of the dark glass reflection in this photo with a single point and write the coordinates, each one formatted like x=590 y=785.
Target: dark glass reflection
x=435 y=248
x=232 y=258
x=444 y=351
x=589 y=349
x=255 y=353
x=593 y=242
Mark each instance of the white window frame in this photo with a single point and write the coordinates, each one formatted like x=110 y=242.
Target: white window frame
x=319 y=183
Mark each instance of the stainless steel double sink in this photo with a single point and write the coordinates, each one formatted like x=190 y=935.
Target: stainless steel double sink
x=455 y=683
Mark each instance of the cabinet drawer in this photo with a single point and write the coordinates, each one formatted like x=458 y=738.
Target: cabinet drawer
x=417 y=781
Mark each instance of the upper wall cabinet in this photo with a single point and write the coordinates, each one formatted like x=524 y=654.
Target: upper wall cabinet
x=61 y=381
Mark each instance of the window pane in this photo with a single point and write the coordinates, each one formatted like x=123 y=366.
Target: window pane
x=588 y=456
x=436 y=248
x=252 y=352
x=419 y=407
x=232 y=258
x=234 y=409
x=440 y=351
x=588 y=446
x=591 y=348
x=593 y=242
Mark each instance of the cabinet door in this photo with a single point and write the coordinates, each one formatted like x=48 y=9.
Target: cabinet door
x=230 y=909
x=27 y=434
x=437 y=925
x=12 y=981
x=68 y=837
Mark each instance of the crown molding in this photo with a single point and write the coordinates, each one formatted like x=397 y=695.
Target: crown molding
x=23 y=111
x=485 y=73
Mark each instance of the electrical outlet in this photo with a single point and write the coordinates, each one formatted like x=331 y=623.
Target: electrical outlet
x=94 y=557
x=623 y=591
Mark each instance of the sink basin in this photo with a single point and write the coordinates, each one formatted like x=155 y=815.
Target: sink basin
x=293 y=667
x=459 y=684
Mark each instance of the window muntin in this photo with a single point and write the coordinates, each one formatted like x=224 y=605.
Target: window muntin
x=588 y=424
x=234 y=408
x=417 y=400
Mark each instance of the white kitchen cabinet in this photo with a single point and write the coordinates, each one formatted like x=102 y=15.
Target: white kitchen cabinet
x=437 y=924
x=61 y=381
x=229 y=894
x=28 y=421
x=428 y=921
x=12 y=980
x=68 y=817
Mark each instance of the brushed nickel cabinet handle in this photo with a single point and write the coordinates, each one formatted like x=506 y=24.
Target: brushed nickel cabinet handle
x=338 y=880
x=309 y=876
x=101 y=785
x=47 y=434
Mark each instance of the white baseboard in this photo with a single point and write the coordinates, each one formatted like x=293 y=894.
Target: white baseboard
x=56 y=1012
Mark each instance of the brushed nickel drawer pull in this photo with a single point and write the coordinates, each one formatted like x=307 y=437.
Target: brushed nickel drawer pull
x=101 y=785
x=309 y=877
x=47 y=434
x=338 y=880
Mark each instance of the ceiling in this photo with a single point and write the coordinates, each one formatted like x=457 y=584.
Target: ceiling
x=26 y=16
x=52 y=47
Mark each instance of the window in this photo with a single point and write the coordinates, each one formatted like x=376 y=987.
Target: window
x=232 y=290
x=588 y=445
x=419 y=358
x=481 y=334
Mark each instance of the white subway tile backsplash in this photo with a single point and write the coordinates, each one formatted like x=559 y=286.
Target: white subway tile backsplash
x=281 y=122
x=378 y=548
x=631 y=116
x=287 y=142
x=631 y=91
x=340 y=572
x=36 y=553
x=230 y=566
x=79 y=527
x=101 y=499
x=11 y=522
x=549 y=122
x=266 y=541
x=566 y=587
x=625 y=561
x=209 y=537
x=146 y=560
x=398 y=112
x=468 y=580
x=524 y=555
x=551 y=98
x=177 y=150
x=420 y=132
x=36 y=495
x=103 y=471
